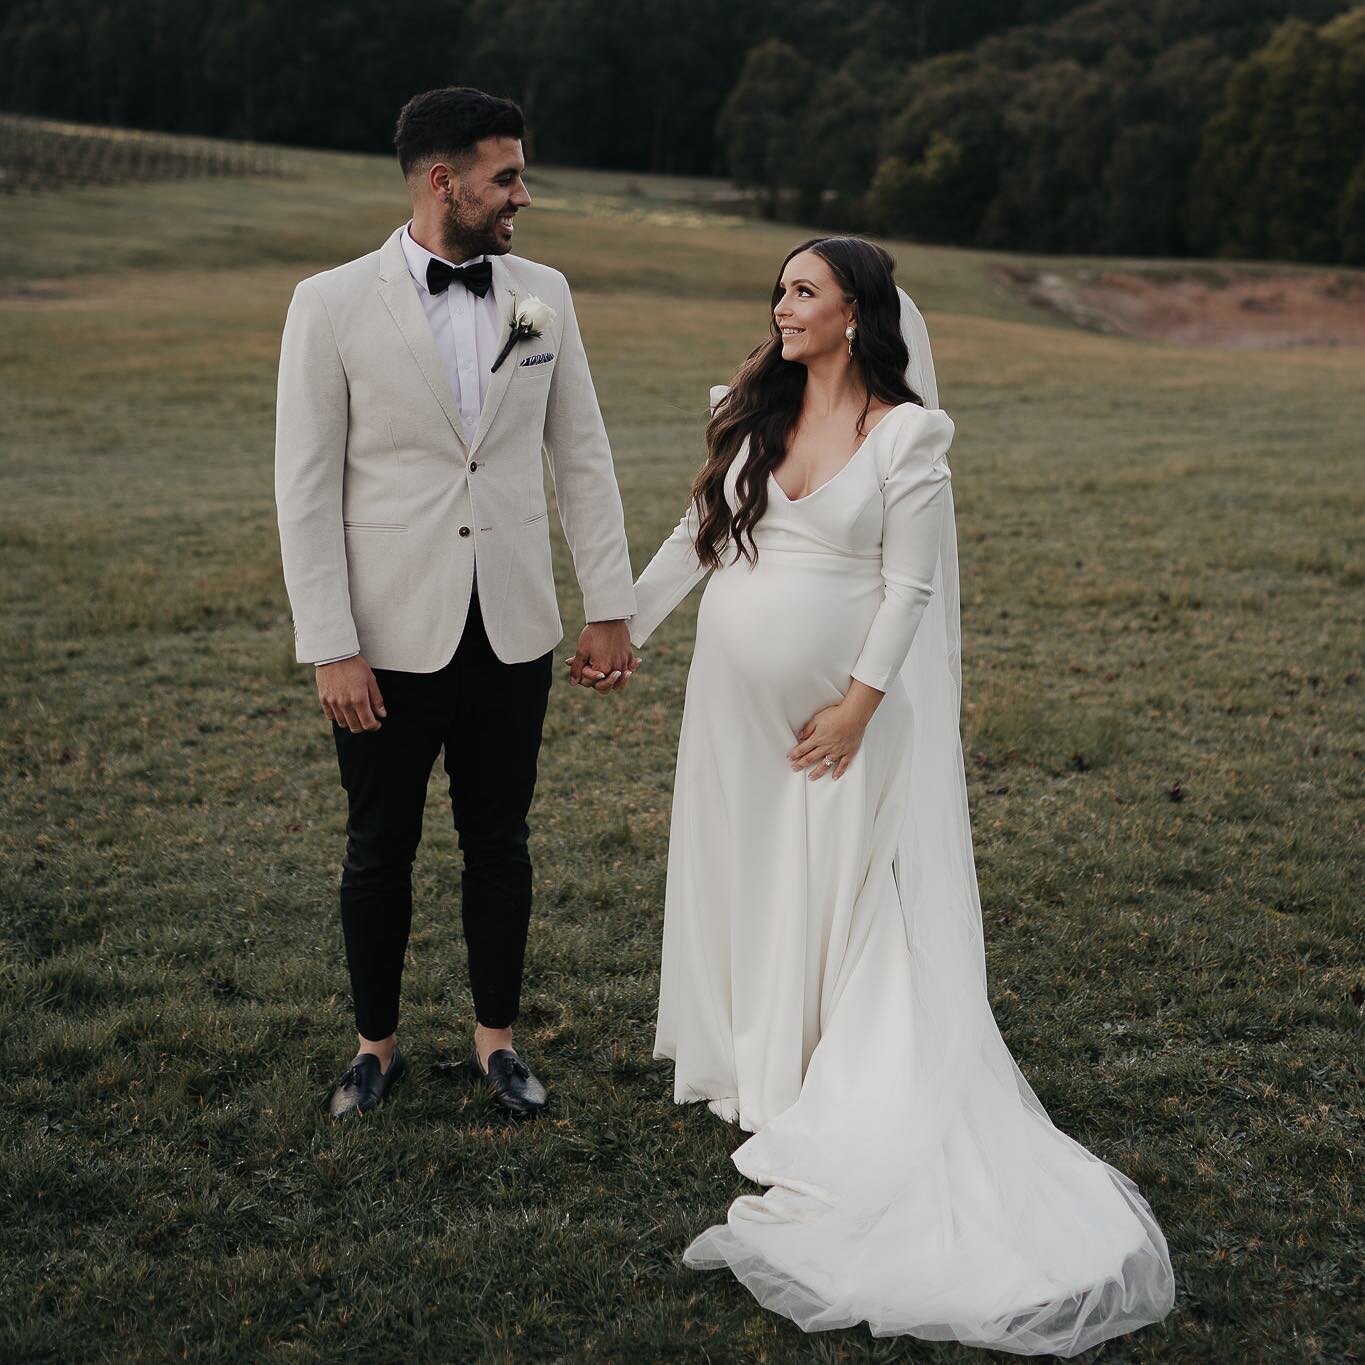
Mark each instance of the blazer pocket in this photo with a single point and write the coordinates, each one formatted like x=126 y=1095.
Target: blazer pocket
x=537 y=516
x=374 y=526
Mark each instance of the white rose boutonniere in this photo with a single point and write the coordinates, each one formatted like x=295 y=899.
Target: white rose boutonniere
x=530 y=317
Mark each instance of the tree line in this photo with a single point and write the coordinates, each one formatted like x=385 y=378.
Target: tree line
x=1150 y=127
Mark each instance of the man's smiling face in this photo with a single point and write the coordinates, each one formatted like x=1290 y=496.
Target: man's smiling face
x=488 y=192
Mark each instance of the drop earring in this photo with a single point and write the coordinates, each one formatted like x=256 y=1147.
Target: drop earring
x=850 y=332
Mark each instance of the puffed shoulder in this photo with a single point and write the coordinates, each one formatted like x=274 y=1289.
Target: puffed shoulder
x=718 y=391
x=922 y=441
x=926 y=432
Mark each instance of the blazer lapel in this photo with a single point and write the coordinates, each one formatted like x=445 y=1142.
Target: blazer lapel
x=505 y=296
x=400 y=298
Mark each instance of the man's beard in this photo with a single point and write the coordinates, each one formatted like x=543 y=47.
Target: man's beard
x=469 y=231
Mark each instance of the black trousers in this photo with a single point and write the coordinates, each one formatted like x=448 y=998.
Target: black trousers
x=487 y=717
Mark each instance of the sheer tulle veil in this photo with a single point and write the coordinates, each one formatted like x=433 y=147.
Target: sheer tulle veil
x=953 y=1209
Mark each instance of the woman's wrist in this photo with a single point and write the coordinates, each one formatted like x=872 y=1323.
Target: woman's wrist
x=860 y=701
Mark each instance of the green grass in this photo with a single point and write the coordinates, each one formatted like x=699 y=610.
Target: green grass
x=1162 y=572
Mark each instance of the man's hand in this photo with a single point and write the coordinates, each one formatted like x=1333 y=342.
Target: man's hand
x=605 y=659
x=350 y=695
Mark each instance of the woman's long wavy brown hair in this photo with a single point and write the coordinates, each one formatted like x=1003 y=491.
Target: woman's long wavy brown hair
x=764 y=399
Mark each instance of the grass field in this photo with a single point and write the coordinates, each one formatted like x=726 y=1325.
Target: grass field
x=1162 y=573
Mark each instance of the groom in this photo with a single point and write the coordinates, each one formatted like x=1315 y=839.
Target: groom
x=417 y=388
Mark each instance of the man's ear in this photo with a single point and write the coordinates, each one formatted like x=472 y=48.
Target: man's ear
x=443 y=181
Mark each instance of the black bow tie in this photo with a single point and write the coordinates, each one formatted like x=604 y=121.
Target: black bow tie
x=477 y=278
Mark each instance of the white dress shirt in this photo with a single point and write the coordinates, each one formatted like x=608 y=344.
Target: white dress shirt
x=467 y=337
x=466 y=330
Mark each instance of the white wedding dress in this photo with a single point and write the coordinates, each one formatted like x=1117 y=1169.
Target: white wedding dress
x=823 y=979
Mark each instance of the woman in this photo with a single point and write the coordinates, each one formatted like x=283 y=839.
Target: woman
x=823 y=981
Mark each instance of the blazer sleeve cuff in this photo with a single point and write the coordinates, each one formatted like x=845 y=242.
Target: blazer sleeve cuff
x=326 y=649
x=618 y=606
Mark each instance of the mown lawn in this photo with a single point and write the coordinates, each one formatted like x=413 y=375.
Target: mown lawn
x=1162 y=573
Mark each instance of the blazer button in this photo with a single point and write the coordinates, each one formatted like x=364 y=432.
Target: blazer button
x=464 y=530
x=473 y=465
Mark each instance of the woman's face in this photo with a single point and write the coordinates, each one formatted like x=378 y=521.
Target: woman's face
x=811 y=312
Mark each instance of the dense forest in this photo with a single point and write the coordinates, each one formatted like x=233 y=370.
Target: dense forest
x=1151 y=127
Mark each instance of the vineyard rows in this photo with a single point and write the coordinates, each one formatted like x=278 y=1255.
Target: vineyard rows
x=39 y=154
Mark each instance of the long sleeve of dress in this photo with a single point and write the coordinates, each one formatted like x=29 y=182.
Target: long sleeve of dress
x=913 y=500
x=673 y=572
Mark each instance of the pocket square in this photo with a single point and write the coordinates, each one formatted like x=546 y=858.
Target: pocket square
x=543 y=358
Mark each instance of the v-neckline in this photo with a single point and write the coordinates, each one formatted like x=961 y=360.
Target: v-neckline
x=806 y=497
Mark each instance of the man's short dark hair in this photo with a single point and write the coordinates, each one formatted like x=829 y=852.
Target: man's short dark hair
x=447 y=123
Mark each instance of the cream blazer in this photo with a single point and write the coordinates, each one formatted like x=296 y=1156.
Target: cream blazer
x=384 y=504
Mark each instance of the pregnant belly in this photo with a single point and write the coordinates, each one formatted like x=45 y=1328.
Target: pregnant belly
x=789 y=631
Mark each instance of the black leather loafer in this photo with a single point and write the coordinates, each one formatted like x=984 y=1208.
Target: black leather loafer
x=511 y=1082
x=363 y=1085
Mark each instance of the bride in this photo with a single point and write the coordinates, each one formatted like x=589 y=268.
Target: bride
x=823 y=981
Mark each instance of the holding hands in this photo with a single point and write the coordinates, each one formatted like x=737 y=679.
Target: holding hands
x=605 y=659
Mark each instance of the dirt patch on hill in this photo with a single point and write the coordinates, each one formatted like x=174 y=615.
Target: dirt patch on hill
x=1236 y=308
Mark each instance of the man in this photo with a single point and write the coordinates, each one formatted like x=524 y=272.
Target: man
x=417 y=388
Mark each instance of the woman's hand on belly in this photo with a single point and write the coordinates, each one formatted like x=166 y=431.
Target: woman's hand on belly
x=834 y=734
